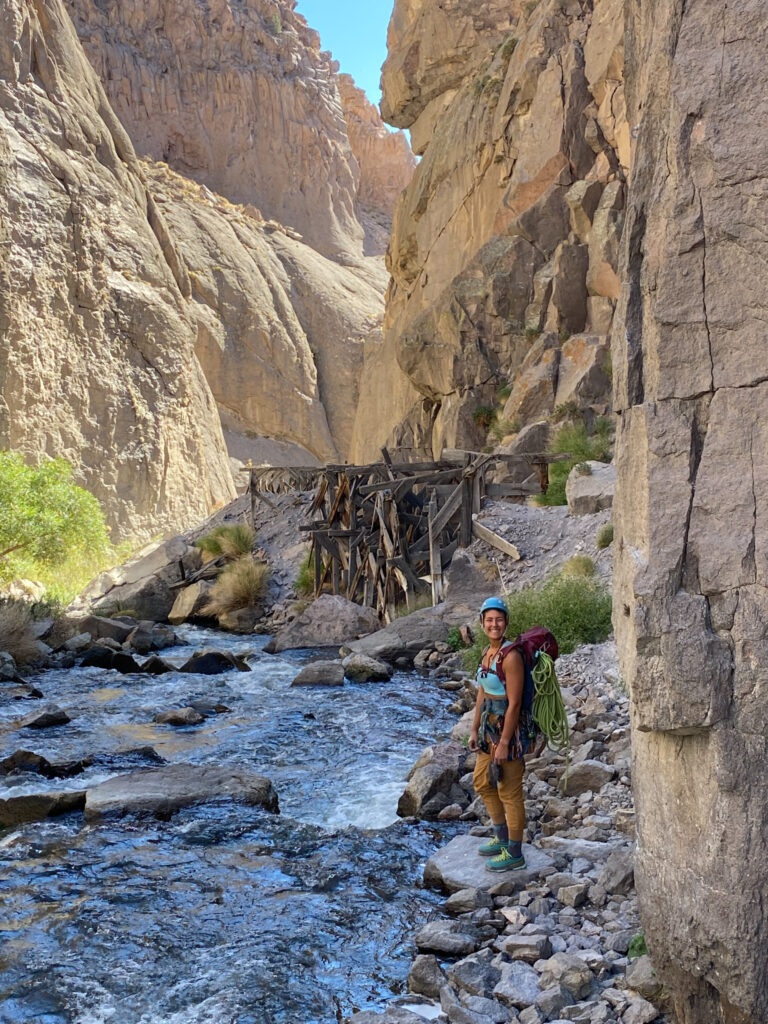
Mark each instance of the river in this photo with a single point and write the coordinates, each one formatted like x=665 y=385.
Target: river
x=225 y=914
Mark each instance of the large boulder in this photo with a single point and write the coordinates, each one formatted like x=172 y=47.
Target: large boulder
x=190 y=603
x=360 y=668
x=433 y=782
x=589 y=487
x=458 y=865
x=329 y=621
x=405 y=637
x=321 y=673
x=161 y=791
x=16 y=810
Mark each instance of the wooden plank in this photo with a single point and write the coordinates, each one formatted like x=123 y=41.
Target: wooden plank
x=405 y=484
x=484 y=533
x=387 y=463
x=449 y=509
x=465 y=530
x=318 y=569
x=435 y=564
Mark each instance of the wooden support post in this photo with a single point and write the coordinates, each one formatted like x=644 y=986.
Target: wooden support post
x=252 y=498
x=467 y=488
x=435 y=567
x=318 y=568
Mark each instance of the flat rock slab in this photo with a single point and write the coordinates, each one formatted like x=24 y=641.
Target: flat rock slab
x=17 y=810
x=161 y=791
x=584 y=848
x=459 y=866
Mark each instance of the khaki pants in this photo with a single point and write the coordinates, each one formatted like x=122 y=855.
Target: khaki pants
x=505 y=803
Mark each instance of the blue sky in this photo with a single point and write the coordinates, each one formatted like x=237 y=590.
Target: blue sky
x=355 y=31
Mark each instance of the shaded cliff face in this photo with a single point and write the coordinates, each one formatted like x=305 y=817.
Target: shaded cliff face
x=97 y=359
x=384 y=158
x=505 y=244
x=691 y=603
x=237 y=96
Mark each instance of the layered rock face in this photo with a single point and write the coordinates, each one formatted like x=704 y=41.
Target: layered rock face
x=237 y=96
x=385 y=160
x=97 y=344
x=691 y=604
x=505 y=244
x=282 y=329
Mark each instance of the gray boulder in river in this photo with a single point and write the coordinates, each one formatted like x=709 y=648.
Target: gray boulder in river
x=161 y=791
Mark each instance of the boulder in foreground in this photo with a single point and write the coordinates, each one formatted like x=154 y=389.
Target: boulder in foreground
x=162 y=791
x=459 y=866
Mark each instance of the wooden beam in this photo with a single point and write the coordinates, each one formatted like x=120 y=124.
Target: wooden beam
x=484 y=533
x=435 y=564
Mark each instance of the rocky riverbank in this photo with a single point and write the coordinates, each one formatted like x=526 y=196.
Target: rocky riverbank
x=561 y=940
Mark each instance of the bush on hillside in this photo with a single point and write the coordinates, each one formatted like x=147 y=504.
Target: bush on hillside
x=574 y=440
x=575 y=608
x=16 y=636
x=241 y=584
x=604 y=536
x=304 y=584
x=578 y=565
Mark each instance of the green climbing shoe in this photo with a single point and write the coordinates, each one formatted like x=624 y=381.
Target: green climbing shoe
x=506 y=862
x=491 y=848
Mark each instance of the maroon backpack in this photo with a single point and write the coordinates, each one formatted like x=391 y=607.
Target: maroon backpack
x=530 y=644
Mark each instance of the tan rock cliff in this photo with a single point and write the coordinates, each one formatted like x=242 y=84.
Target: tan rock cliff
x=506 y=241
x=97 y=360
x=237 y=96
x=691 y=604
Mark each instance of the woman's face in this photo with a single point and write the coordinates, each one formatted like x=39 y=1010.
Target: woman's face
x=494 y=624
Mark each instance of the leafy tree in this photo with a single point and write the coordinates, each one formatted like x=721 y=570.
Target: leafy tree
x=44 y=516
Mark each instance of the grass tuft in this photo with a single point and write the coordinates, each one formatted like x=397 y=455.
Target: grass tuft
x=241 y=584
x=575 y=608
x=604 y=536
x=573 y=439
x=579 y=565
x=304 y=584
x=232 y=541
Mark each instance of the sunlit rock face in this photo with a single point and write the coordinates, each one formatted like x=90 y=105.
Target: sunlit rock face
x=97 y=337
x=691 y=603
x=505 y=244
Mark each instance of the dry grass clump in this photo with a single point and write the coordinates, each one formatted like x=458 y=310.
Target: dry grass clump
x=16 y=636
x=242 y=584
x=230 y=541
x=579 y=565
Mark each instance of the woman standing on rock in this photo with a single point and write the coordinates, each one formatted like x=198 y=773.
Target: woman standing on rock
x=498 y=776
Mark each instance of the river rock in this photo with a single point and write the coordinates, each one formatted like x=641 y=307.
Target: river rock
x=28 y=761
x=149 y=598
x=241 y=620
x=190 y=603
x=320 y=673
x=554 y=999
x=528 y=948
x=161 y=791
x=433 y=782
x=329 y=621
x=590 y=491
x=100 y=627
x=475 y=975
x=157 y=666
x=451 y=938
x=458 y=865
x=78 y=643
x=569 y=971
x=518 y=986
x=214 y=663
x=639 y=1011
x=7 y=666
x=360 y=668
x=150 y=636
x=426 y=977
x=179 y=716
x=98 y=657
x=16 y=810
x=45 y=718
x=466 y=900
x=587 y=775
x=125 y=663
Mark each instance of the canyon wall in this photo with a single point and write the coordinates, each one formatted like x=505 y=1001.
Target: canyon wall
x=97 y=360
x=236 y=96
x=505 y=244
x=691 y=597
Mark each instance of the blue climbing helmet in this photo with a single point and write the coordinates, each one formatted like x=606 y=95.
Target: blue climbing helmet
x=493 y=604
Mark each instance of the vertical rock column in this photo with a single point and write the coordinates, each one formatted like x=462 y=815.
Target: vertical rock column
x=691 y=585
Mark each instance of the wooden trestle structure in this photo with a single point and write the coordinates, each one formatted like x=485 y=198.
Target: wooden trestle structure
x=384 y=532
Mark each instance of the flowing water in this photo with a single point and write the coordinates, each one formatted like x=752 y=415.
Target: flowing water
x=225 y=914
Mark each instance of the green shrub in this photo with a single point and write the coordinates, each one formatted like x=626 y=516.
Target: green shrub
x=232 y=541
x=484 y=416
x=579 y=565
x=573 y=439
x=275 y=24
x=503 y=427
x=16 y=636
x=241 y=584
x=532 y=333
x=509 y=47
x=565 y=411
x=455 y=640
x=604 y=536
x=637 y=947
x=505 y=390
x=576 y=609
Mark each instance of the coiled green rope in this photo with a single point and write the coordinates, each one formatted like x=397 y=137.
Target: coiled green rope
x=548 y=709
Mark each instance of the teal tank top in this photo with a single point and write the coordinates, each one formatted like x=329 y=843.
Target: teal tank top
x=490 y=681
